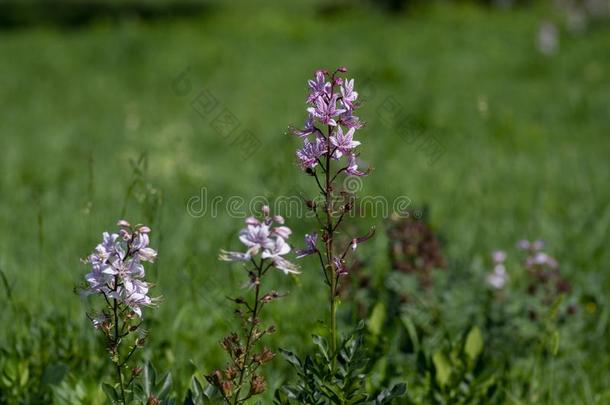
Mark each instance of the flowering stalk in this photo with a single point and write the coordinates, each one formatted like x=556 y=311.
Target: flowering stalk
x=266 y=245
x=332 y=102
x=117 y=275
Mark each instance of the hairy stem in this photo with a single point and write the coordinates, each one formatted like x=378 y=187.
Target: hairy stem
x=116 y=348
x=249 y=340
x=329 y=253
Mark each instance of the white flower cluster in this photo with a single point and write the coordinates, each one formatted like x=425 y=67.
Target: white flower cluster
x=498 y=278
x=117 y=271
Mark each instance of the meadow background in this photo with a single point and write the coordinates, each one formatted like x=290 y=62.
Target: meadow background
x=93 y=129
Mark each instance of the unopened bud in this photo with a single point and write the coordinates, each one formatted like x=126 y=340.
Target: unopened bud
x=144 y=229
x=231 y=373
x=124 y=234
x=152 y=400
x=257 y=384
x=227 y=388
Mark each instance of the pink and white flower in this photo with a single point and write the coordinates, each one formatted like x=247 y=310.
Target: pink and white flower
x=117 y=271
x=261 y=237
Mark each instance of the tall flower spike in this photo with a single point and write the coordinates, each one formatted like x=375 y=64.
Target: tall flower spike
x=266 y=247
x=328 y=136
x=331 y=104
x=117 y=275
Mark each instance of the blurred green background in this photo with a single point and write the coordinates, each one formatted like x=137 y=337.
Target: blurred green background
x=93 y=128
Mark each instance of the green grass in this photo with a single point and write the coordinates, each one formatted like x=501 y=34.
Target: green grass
x=77 y=105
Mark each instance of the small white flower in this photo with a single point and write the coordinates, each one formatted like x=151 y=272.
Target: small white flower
x=279 y=248
x=498 y=278
x=498 y=256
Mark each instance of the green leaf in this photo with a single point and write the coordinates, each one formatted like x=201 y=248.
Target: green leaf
x=442 y=367
x=211 y=395
x=411 y=330
x=377 y=318
x=291 y=358
x=24 y=374
x=149 y=377
x=386 y=396
x=54 y=374
x=322 y=345
x=555 y=342
x=196 y=387
x=474 y=343
x=162 y=389
x=110 y=392
x=552 y=314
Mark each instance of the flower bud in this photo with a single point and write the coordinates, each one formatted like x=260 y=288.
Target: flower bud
x=227 y=388
x=152 y=400
x=231 y=373
x=144 y=229
x=257 y=384
x=264 y=356
x=124 y=234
